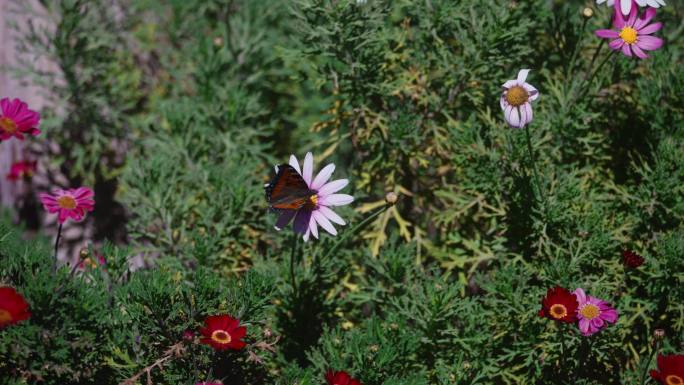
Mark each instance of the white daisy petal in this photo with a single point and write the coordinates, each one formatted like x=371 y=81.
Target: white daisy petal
x=324 y=222
x=522 y=75
x=331 y=215
x=307 y=168
x=294 y=163
x=332 y=187
x=322 y=176
x=312 y=226
x=336 y=200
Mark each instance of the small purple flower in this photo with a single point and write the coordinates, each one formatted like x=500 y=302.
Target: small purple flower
x=593 y=313
x=516 y=100
x=308 y=218
x=632 y=35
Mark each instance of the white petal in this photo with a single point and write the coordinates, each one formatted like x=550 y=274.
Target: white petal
x=503 y=102
x=331 y=215
x=307 y=169
x=295 y=164
x=313 y=227
x=324 y=222
x=528 y=112
x=510 y=84
x=333 y=187
x=625 y=6
x=533 y=92
x=522 y=75
x=323 y=176
x=306 y=235
x=276 y=168
x=336 y=200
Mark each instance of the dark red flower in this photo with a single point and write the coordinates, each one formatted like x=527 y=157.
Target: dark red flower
x=559 y=305
x=340 y=378
x=632 y=259
x=670 y=369
x=13 y=307
x=223 y=332
x=22 y=170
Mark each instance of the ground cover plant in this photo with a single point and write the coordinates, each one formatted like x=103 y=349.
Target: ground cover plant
x=346 y=192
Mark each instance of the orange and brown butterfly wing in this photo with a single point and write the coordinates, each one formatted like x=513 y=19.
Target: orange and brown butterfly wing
x=288 y=190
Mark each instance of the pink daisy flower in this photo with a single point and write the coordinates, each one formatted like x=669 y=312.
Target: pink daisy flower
x=317 y=212
x=516 y=100
x=72 y=203
x=16 y=119
x=632 y=35
x=593 y=313
x=21 y=170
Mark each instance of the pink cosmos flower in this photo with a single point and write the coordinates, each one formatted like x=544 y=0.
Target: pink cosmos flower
x=16 y=119
x=21 y=170
x=625 y=6
x=72 y=203
x=516 y=100
x=632 y=35
x=318 y=212
x=593 y=313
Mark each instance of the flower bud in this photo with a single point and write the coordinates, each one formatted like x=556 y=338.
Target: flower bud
x=391 y=198
x=83 y=254
x=268 y=333
x=587 y=12
x=659 y=334
x=218 y=41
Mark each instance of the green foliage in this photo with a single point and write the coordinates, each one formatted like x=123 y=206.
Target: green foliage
x=403 y=96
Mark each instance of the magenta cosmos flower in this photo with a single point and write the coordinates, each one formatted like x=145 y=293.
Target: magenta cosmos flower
x=72 y=203
x=317 y=209
x=16 y=119
x=593 y=313
x=632 y=34
x=516 y=100
x=22 y=170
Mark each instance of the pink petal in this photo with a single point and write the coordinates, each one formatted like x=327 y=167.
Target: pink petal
x=312 y=226
x=649 y=29
x=336 y=200
x=581 y=296
x=616 y=44
x=322 y=176
x=632 y=13
x=324 y=222
x=307 y=169
x=597 y=323
x=502 y=102
x=607 y=33
x=638 y=52
x=332 y=187
x=513 y=117
x=528 y=112
x=534 y=94
x=584 y=326
x=649 y=43
x=522 y=75
x=510 y=84
x=610 y=315
x=626 y=51
x=645 y=18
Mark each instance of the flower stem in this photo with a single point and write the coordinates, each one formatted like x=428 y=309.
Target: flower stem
x=59 y=235
x=533 y=161
x=648 y=363
x=356 y=229
x=593 y=74
x=295 y=238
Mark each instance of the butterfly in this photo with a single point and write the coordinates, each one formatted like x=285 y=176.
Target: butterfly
x=288 y=190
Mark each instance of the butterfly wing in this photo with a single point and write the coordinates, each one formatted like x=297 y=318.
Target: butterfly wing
x=288 y=190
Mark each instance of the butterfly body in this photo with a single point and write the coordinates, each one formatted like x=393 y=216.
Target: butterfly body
x=288 y=190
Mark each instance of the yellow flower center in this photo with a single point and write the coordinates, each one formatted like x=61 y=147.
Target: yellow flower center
x=629 y=35
x=517 y=96
x=8 y=125
x=558 y=311
x=66 y=202
x=590 y=311
x=314 y=199
x=673 y=379
x=221 y=336
x=5 y=316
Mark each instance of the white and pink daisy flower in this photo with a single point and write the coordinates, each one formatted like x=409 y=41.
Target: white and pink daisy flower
x=71 y=203
x=593 y=314
x=516 y=100
x=626 y=6
x=16 y=119
x=308 y=218
x=632 y=34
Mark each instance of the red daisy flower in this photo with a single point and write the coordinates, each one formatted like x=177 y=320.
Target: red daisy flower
x=632 y=259
x=670 y=369
x=16 y=119
x=72 y=203
x=20 y=170
x=559 y=305
x=340 y=378
x=223 y=332
x=13 y=307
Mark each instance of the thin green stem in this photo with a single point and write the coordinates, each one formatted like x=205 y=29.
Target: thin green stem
x=648 y=363
x=59 y=235
x=575 y=51
x=533 y=161
x=596 y=71
x=295 y=239
x=355 y=229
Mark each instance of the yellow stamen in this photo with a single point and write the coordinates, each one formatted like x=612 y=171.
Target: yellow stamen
x=674 y=379
x=8 y=125
x=517 y=96
x=5 y=316
x=66 y=202
x=221 y=336
x=558 y=311
x=629 y=35
x=314 y=199
x=590 y=311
